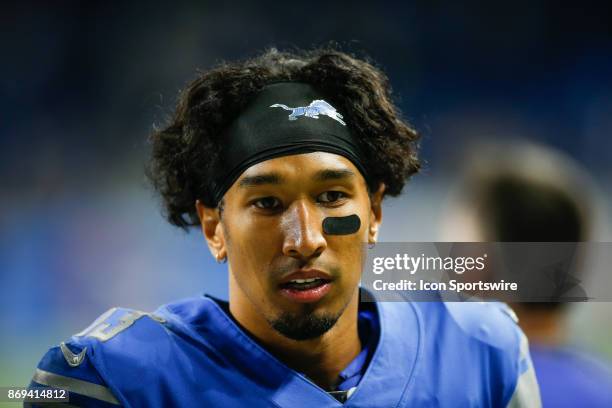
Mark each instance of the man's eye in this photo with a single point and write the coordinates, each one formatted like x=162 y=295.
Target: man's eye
x=331 y=196
x=267 y=203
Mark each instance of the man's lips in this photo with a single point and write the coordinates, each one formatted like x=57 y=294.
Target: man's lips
x=306 y=274
x=305 y=285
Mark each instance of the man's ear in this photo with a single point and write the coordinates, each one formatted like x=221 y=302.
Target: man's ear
x=210 y=220
x=375 y=213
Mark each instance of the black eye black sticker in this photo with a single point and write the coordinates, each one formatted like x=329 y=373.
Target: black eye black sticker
x=341 y=225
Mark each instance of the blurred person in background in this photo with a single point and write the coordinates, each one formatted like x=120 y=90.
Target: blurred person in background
x=516 y=191
x=283 y=161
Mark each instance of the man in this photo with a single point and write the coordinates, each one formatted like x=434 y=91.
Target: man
x=283 y=162
x=548 y=198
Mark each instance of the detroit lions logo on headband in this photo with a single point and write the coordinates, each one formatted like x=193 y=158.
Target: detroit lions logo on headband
x=316 y=108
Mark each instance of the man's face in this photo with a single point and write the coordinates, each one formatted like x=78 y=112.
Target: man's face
x=272 y=233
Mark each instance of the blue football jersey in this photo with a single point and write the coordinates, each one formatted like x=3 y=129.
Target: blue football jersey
x=192 y=354
x=570 y=377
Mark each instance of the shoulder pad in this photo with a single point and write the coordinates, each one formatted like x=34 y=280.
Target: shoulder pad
x=493 y=323
x=76 y=365
x=113 y=322
x=58 y=369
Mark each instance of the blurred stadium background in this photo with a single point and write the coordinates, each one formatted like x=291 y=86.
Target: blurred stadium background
x=82 y=85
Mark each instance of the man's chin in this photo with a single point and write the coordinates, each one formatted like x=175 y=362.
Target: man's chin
x=306 y=326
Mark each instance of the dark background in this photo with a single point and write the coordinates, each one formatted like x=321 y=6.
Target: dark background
x=83 y=83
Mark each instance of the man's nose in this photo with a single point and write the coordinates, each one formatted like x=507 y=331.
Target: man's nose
x=302 y=228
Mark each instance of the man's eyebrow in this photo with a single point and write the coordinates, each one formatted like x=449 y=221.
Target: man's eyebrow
x=333 y=174
x=260 y=179
x=276 y=179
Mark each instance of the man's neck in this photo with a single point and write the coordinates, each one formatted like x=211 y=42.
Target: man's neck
x=321 y=359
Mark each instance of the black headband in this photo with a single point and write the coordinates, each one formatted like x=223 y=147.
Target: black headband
x=284 y=119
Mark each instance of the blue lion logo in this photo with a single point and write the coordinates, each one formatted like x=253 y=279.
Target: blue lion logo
x=316 y=108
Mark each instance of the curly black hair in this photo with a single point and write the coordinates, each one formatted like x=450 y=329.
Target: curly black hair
x=186 y=150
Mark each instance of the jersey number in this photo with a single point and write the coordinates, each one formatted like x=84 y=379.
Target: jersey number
x=103 y=330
